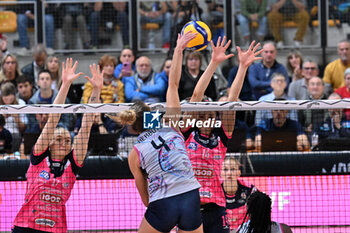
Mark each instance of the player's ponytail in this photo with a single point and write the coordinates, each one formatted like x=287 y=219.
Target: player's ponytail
x=127 y=117
x=133 y=116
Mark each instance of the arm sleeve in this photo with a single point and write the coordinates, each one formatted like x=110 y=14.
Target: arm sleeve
x=187 y=132
x=157 y=89
x=131 y=93
x=244 y=10
x=262 y=9
x=87 y=92
x=37 y=158
x=253 y=75
x=231 y=76
x=327 y=75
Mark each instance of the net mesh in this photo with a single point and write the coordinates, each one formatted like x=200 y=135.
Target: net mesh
x=294 y=151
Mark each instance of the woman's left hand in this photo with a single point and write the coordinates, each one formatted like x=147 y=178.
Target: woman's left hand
x=219 y=51
x=248 y=57
x=97 y=76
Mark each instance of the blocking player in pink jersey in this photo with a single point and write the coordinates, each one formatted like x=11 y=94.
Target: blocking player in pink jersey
x=207 y=146
x=236 y=192
x=54 y=163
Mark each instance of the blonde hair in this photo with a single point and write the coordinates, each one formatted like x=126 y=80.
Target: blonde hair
x=3 y=77
x=133 y=116
x=232 y=159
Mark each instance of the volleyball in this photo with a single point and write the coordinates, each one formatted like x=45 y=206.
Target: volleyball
x=203 y=37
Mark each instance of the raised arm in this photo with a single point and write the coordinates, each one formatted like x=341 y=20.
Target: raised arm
x=245 y=60
x=81 y=140
x=68 y=76
x=172 y=96
x=217 y=57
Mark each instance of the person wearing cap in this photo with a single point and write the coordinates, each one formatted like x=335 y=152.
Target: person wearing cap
x=344 y=92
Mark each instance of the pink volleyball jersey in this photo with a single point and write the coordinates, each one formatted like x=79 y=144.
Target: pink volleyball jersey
x=207 y=155
x=235 y=205
x=49 y=185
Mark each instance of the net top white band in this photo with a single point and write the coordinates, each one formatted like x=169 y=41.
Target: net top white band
x=198 y=106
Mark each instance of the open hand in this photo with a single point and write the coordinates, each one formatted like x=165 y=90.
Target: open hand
x=183 y=40
x=97 y=76
x=68 y=71
x=248 y=57
x=219 y=51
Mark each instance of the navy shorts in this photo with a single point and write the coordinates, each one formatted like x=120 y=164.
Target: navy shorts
x=182 y=210
x=17 y=229
x=214 y=219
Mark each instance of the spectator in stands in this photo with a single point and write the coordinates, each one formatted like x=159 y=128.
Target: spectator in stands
x=53 y=65
x=46 y=95
x=214 y=16
x=37 y=127
x=5 y=137
x=344 y=92
x=298 y=88
x=294 y=65
x=214 y=13
x=25 y=15
x=74 y=16
x=107 y=15
x=113 y=89
x=15 y=123
x=311 y=118
x=157 y=12
x=260 y=73
x=165 y=69
x=9 y=69
x=259 y=212
x=278 y=84
x=126 y=57
x=190 y=75
x=334 y=72
x=252 y=11
x=335 y=125
x=25 y=88
x=39 y=57
x=279 y=122
x=282 y=10
x=146 y=84
x=236 y=192
x=3 y=46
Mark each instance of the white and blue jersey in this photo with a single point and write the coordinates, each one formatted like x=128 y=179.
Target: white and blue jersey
x=163 y=156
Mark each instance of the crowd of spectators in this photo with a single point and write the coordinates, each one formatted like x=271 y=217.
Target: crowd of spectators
x=95 y=22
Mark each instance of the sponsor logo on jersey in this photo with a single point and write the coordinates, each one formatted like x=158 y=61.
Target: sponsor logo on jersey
x=66 y=185
x=45 y=222
x=45 y=175
x=205 y=194
x=192 y=146
x=217 y=157
x=50 y=198
x=203 y=172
